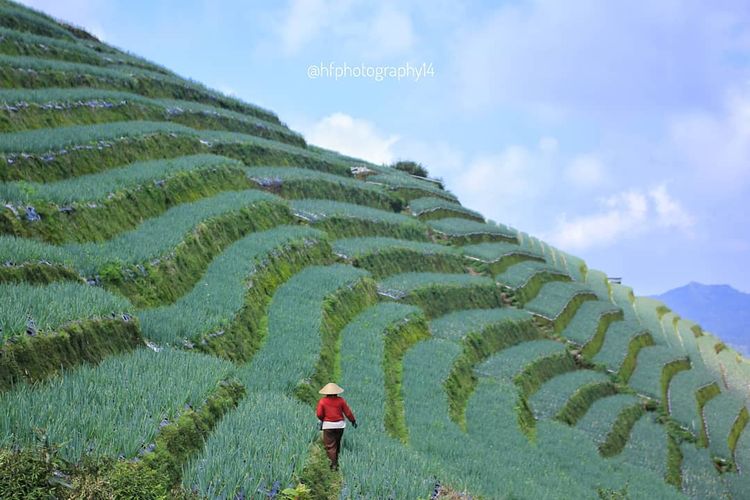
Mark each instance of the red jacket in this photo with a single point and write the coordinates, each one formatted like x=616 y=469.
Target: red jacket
x=333 y=409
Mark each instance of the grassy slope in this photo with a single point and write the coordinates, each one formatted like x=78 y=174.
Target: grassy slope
x=125 y=148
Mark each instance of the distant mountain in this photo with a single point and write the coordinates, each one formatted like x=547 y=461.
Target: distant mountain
x=719 y=309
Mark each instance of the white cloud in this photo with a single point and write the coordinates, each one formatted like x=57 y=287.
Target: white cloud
x=586 y=172
x=304 y=20
x=624 y=215
x=669 y=212
x=716 y=146
x=507 y=186
x=352 y=136
x=370 y=31
x=551 y=57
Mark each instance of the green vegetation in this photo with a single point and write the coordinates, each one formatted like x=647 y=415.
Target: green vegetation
x=647 y=446
x=20 y=43
x=40 y=108
x=726 y=417
x=558 y=302
x=126 y=397
x=589 y=326
x=96 y=187
x=38 y=310
x=411 y=167
x=552 y=398
x=97 y=207
x=441 y=293
x=655 y=367
x=371 y=361
x=599 y=283
x=689 y=391
x=409 y=187
x=157 y=261
x=609 y=421
x=499 y=256
x=527 y=278
x=180 y=272
x=29 y=72
x=298 y=183
x=387 y=256
x=215 y=303
x=622 y=344
x=429 y=208
x=62 y=152
x=36 y=358
x=469 y=231
x=483 y=332
x=246 y=452
x=700 y=479
x=341 y=220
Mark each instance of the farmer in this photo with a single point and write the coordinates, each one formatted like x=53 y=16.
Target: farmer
x=331 y=411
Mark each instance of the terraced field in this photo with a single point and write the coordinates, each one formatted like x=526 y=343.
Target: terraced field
x=180 y=272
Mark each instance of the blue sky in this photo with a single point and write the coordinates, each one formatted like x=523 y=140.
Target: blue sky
x=618 y=130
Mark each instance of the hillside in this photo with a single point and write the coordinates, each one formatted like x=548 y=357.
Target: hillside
x=181 y=272
x=718 y=308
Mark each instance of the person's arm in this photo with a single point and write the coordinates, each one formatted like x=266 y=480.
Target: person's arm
x=321 y=410
x=348 y=411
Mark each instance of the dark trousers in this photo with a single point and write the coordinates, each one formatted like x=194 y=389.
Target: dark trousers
x=332 y=444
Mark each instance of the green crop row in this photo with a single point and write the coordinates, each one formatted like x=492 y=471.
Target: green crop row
x=375 y=457
x=26 y=109
x=215 y=301
x=527 y=277
x=726 y=416
x=428 y=208
x=383 y=256
x=96 y=187
x=623 y=341
x=56 y=153
x=35 y=358
x=552 y=398
x=150 y=189
x=341 y=219
x=527 y=366
x=558 y=302
x=246 y=452
x=299 y=183
x=482 y=460
x=470 y=231
x=28 y=72
x=441 y=293
x=624 y=297
x=653 y=365
x=127 y=397
x=590 y=324
x=599 y=283
x=647 y=446
x=488 y=332
x=36 y=310
x=409 y=187
x=700 y=479
x=149 y=240
x=23 y=43
x=650 y=312
x=689 y=390
x=498 y=256
x=609 y=421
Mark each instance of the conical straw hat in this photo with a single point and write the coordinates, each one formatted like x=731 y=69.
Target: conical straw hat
x=331 y=388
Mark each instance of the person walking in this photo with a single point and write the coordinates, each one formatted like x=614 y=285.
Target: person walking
x=331 y=411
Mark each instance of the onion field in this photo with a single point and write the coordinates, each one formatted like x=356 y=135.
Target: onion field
x=180 y=273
